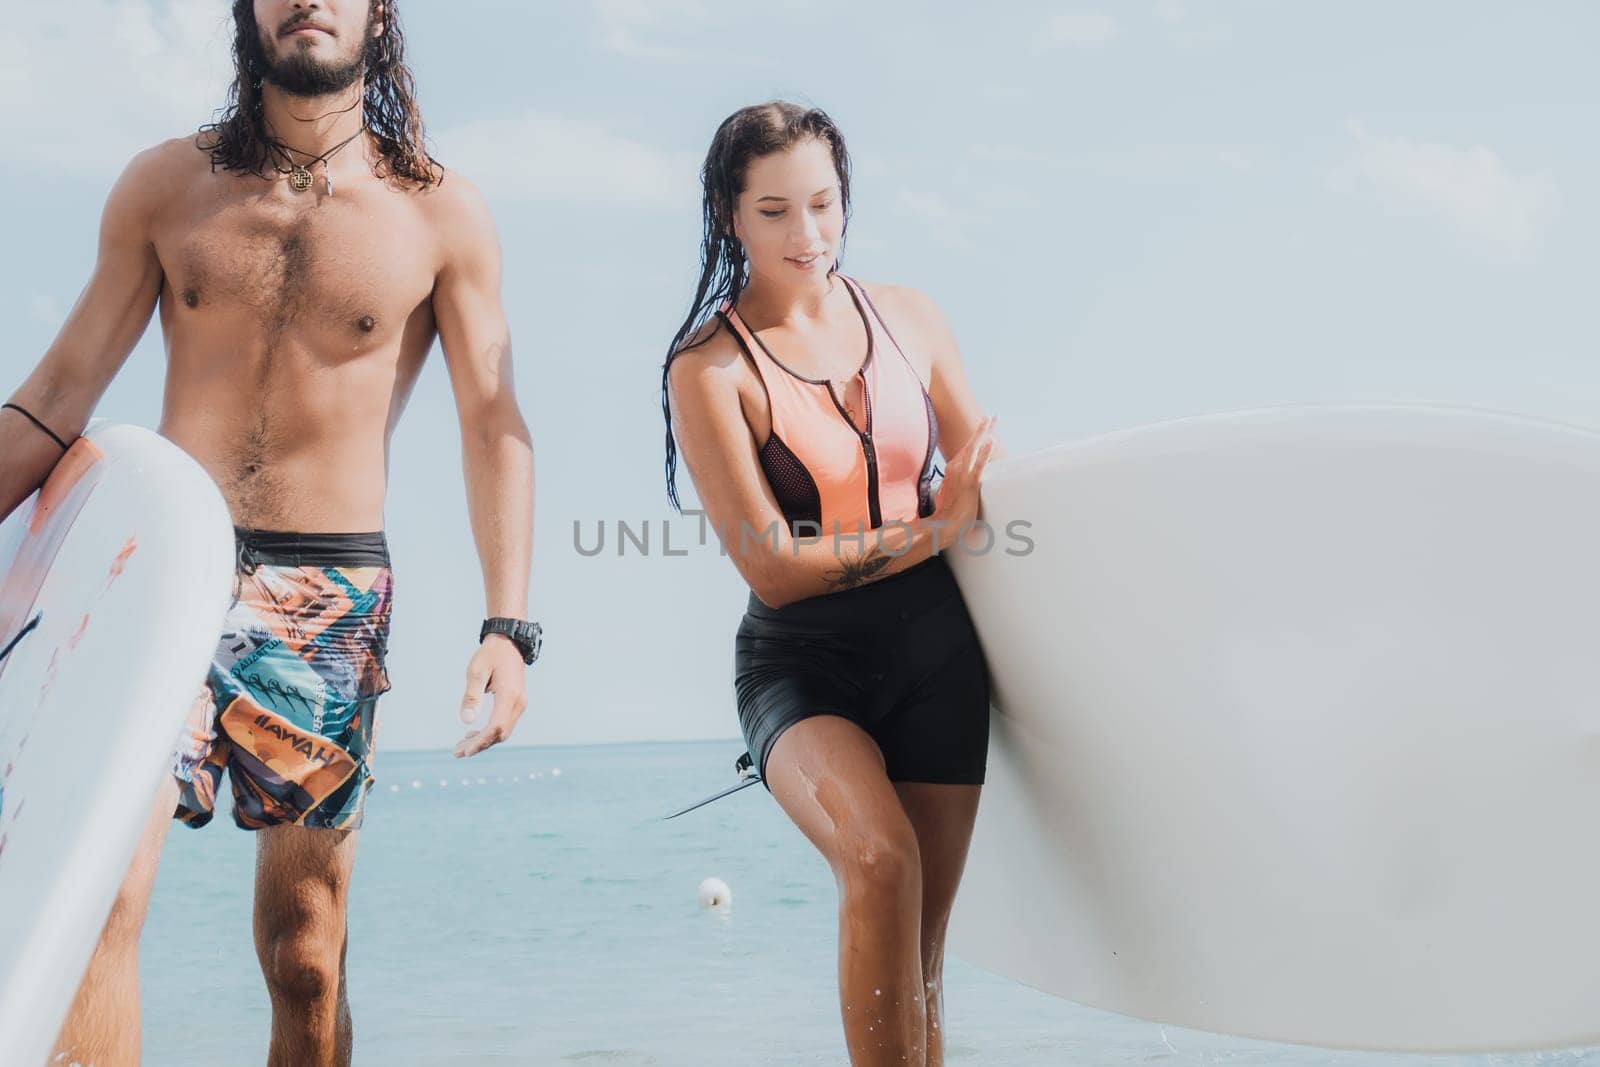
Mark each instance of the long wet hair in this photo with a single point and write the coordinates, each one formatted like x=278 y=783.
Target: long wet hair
x=239 y=140
x=744 y=136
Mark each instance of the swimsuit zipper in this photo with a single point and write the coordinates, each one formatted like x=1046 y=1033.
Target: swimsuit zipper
x=868 y=450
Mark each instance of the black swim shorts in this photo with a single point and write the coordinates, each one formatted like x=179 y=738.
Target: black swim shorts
x=899 y=657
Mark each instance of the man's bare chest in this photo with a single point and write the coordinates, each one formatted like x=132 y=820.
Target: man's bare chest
x=362 y=266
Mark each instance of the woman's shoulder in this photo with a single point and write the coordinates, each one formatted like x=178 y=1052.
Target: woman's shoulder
x=901 y=303
x=709 y=357
x=916 y=323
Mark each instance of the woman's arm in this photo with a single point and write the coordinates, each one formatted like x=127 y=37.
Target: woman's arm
x=915 y=316
x=719 y=449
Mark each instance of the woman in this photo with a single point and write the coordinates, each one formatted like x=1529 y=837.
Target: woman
x=807 y=408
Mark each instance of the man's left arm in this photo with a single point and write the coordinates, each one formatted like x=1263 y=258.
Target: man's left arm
x=496 y=450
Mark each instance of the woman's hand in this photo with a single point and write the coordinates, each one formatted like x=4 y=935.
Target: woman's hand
x=958 y=499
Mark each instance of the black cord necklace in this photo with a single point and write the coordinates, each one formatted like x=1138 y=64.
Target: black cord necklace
x=300 y=174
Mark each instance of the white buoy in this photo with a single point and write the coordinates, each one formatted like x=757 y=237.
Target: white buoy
x=416 y=783
x=443 y=782
x=715 y=894
x=394 y=789
x=555 y=772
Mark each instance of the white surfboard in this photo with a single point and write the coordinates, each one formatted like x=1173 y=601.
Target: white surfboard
x=122 y=567
x=1298 y=730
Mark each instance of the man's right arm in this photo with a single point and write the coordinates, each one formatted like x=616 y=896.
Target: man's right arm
x=94 y=342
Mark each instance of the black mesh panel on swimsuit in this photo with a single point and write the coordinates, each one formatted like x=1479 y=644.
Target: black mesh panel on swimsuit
x=792 y=485
x=925 y=502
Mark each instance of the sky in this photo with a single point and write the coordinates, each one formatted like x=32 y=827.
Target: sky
x=1130 y=212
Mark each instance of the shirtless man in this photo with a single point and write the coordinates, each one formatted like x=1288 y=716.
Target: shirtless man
x=303 y=253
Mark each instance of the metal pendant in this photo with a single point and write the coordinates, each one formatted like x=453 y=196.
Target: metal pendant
x=299 y=179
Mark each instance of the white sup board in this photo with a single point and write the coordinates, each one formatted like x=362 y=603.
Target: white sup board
x=1298 y=728
x=122 y=565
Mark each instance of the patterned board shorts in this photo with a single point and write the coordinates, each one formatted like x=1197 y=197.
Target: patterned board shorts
x=288 y=708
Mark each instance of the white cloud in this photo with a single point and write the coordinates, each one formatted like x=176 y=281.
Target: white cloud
x=1001 y=199
x=1174 y=15
x=1004 y=153
x=1140 y=162
x=1204 y=37
x=1469 y=188
x=866 y=165
x=1076 y=29
x=943 y=223
x=542 y=157
x=85 y=85
x=632 y=27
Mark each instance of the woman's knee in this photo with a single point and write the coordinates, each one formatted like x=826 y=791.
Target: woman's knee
x=880 y=864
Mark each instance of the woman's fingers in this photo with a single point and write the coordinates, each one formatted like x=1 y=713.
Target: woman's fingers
x=980 y=439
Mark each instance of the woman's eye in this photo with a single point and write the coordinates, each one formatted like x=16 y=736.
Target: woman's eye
x=772 y=214
x=825 y=205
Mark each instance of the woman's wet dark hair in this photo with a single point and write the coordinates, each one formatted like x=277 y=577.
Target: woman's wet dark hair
x=744 y=136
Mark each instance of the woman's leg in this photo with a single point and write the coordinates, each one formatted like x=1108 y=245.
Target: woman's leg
x=942 y=817
x=828 y=776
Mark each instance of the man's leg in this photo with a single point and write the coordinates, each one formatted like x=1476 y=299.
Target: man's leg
x=102 y=1026
x=302 y=885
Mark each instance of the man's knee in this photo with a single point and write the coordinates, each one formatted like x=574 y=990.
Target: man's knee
x=302 y=877
x=304 y=966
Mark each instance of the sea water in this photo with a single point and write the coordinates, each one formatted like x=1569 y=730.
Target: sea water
x=531 y=906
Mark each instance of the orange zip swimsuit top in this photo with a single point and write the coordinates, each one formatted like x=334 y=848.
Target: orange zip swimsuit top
x=822 y=468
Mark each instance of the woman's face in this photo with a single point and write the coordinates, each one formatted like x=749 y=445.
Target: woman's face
x=789 y=217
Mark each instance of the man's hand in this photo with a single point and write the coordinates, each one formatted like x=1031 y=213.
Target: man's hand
x=496 y=668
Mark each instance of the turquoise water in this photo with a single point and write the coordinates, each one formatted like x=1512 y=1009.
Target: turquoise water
x=554 y=920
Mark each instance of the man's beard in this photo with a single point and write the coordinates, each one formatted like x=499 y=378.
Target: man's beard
x=299 y=73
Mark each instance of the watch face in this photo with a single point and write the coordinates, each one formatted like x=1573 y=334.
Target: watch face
x=527 y=636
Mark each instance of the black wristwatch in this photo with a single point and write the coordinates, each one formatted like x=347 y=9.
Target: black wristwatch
x=527 y=636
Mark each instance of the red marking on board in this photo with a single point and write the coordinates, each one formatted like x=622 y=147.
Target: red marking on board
x=55 y=507
x=72 y=642
x=50 y=671
x=122 y=557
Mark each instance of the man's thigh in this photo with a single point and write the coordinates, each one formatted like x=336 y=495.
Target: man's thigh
x=303 y=884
